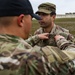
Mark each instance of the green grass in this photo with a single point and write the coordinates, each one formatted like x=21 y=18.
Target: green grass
x=68 y=23
x=65 y=20
x=35 y=26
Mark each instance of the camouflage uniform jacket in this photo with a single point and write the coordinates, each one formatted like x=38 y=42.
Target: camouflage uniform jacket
x=33 y=40
x=17 y=57
x=56 y=30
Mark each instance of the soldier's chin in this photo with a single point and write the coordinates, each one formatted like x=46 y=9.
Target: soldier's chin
x=43 y=26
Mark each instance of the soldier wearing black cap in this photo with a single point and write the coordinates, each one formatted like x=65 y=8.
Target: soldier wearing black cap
x=47 y=11
x=17 y=57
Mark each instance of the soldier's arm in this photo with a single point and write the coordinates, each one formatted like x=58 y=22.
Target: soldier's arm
x=65 y=33
x=33 y=40
x=62 y=43
x=38 y=31
x=68 y=36
x=36 y=38
x=71 y=37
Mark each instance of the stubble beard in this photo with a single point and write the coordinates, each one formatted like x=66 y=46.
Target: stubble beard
x=45 y=26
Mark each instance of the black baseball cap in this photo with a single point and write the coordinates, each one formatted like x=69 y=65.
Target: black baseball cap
x=16 y=7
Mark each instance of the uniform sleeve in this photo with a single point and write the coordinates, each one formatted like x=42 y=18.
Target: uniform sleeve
x=33 y=40
x=33 y=61
x=71 y=38
x=64 y=44
x=66 y=33
x=38 y=31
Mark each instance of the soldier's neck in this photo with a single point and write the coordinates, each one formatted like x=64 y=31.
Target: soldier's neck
x=48 y=29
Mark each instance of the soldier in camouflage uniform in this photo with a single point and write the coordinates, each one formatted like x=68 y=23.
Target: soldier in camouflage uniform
x=47 y=11
x=17 y=57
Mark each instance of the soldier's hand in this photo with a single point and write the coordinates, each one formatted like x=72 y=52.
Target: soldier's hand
x=57 y=37
x=43 y=36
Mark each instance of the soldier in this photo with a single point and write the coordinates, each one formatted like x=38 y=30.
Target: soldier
x=47 y=11
x=17 y=57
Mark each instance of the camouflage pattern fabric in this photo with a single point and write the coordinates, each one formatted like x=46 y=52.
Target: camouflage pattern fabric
x=46 y=8
x=56 y=30
x=17 y=57
x=33 y=40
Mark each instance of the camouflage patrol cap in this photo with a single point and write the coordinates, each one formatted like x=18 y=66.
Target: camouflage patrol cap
x=46 y=8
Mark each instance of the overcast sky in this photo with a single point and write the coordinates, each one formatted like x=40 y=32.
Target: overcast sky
x=62 y=6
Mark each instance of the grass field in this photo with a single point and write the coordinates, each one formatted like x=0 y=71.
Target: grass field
x=68 y=23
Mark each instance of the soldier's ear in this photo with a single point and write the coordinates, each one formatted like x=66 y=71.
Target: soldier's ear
x=20 y=20
x=54 y=16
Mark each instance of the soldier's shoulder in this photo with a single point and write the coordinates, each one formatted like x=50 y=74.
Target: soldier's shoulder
x=38 y=31
x=9 y=43
x=62 y=29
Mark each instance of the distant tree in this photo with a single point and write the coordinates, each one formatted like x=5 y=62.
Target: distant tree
x=73 y=12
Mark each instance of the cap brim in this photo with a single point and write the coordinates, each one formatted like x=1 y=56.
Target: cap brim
x=43 y=11
x=36 y=16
